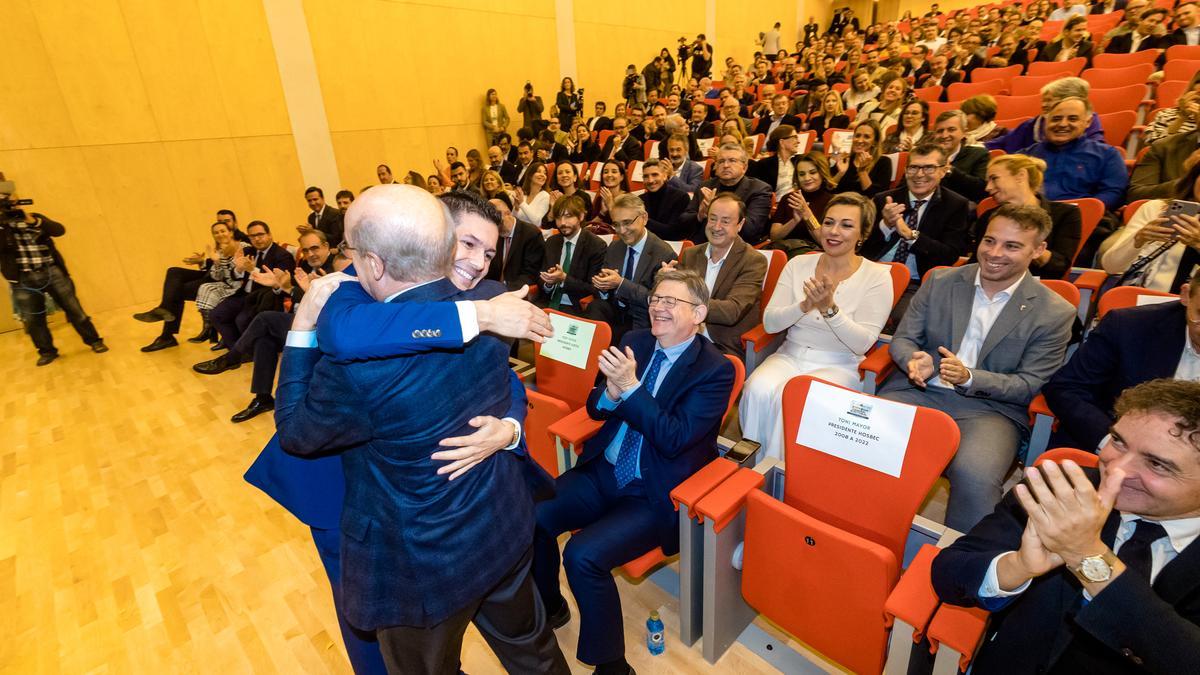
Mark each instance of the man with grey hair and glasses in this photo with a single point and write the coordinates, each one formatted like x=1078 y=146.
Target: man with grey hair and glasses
x=729 y=175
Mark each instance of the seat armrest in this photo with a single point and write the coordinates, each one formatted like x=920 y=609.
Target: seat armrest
x=959 y=628
x=1038 y=406
x=725 y=501
x=759 y=337
x=1090 y=280
x=913 y=600
x=879 y=361
x=704 y=481
x=575 y=428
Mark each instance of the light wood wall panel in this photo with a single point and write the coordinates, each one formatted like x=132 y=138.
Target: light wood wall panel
x=738 y=28
x=34 y=114
x=274 y=184
x=239 y=46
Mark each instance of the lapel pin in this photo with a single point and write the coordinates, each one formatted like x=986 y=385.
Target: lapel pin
x=1023 y=307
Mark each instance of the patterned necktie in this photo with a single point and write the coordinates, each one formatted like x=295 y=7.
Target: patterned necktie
x=911 y=219
x=556 y=296
x=1135 y=552
x=631 y=445
x=628 y=275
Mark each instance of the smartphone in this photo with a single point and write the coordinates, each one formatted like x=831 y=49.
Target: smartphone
x=1179 y=207
x=743 y=451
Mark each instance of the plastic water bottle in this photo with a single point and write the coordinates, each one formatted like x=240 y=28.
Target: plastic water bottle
x=655 y=636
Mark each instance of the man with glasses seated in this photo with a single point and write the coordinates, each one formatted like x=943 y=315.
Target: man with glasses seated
x=729 y=175
x=664 y=393
x=922 y=224
x=630 y=264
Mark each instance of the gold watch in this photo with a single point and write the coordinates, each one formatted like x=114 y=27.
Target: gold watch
x=1095 y=568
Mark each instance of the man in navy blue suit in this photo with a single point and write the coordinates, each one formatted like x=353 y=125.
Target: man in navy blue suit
x=1130 y=346
x=1094 y=572
x=664 y=394
x=421 y=604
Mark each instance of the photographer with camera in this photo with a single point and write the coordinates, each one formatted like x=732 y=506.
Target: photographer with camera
x=633 y=88
x=33 y=266
x=531 y=108
x=569 y=102
x=702 y=57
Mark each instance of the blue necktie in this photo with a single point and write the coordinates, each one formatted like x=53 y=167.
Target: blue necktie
x=628 y=271
x=911 y=219
x=631 y=445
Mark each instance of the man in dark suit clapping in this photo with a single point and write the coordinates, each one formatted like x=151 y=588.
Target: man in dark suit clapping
x=664 y=393
x=573 y=257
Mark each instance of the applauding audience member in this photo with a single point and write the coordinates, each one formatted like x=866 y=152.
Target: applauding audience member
x=233 y=314
x=864 y=169
x=984 y=375
x=323 y=217
x=798 y=217
x=832 y=306
x=914 y=120
x=573 y=257
x=729 y=171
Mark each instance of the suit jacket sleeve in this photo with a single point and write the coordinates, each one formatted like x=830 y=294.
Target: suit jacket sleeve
x=1042 y=355
x=1148 y=180
x=354 y=326
x=910 y=333
x=970 y=179
x=1074 y=393
x=758 y=215
x=635 y=294
x=533 y=257
x=50 y=228
x=671 y=431
x=746 y=291
x=332 y=226
x=945 y=248
x=958 y=570
x=317 y=416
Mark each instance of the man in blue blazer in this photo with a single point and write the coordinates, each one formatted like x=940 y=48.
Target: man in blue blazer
x=664 y=394
x=1130 y=346
x=1094 y=572
x=326 y=414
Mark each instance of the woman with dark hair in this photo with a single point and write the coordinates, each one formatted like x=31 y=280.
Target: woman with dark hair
x=566 y=182
x=569 y=103
x=495 y=116
x=864 y=169
x=1155 y=251
x=799 y=214
x=914 y=121
x=580 y=146
x=414 y=178
x=612 y=185
x=981 y=119
x=532 y=199
x=668 y=66
x=861 y=89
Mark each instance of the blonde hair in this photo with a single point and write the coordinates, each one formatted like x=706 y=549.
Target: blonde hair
x=1033 y=168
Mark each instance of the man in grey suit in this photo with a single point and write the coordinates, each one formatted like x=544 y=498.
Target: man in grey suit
x=630 y=264
x=978 y=342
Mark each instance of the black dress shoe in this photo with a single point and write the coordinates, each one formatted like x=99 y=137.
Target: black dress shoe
x=99 y=347
x=224 y=362
x=560 y=618
x=161 y=342
x=257 y=407
x=203 y=336
x=218 y=347
x=47 y=359
x=156 y=314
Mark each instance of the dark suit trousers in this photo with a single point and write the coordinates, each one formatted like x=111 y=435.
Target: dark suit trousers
x=616 y=526
x=361 y=646
x=511 y=618
x=263 y=339
x=179 y=286
x=232 y=316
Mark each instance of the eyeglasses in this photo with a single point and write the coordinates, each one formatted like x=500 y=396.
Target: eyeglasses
x=668 y=301
x=727 y=160
x=622 y=224
x=927 y=169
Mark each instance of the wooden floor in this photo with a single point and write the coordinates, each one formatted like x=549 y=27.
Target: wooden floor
x=129 y=542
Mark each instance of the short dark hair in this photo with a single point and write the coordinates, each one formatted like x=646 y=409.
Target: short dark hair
x=321 y=236
x=1027 y=217
x=258 y=223
x=455 y=166
x=1152 y=11
x=227 y=212
x=1075 y=20
x=344 y=193
x=602 y=104
x=313 y=188
x=461 y=203
x=569 y=205
x=730 y=197
x=384 y=166
x=503 y=198
x=926 y=148
x=524 y=144
x=1176 y=398
x=503 y=136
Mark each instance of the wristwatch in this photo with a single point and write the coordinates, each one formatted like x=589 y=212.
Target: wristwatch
x=831 y=312
x=1095 y=568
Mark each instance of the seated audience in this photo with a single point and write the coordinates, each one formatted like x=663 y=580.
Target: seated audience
x=864 y=169
x=505 y=169
x=581 y=146
x=1034 y=130
x=980 y=112
x=967 y=171
x=1129 y=346
x=1077 y=166
x=776 y=115
x=573 y=257
x=664 y=202
x=612 y=185
x=532 y=198
x=525 y=161
x=1091 y=571
x=923 y=224
x=914 y=120
x=1144 y=36
x=520 y=249
x=1186 y=25
x=732 y=271
x=1154 y=251
x=621 y=146
x=491 y=184
x=627 y=274
x=233 y=314
x=797 y=219
x=1180 y=119
x=1072 y=43
x=686 y=174
x=777 y=168
x=567 y=181
x=182 y=284
x=1156 y=173
x=662 y=410
x=1017 y=179
x=1009 y=333
x=599 y=121
x=861 y=90
x=323 y=217
x=886 y=109
x=729 y=175
x=939 y=75
x=832 y=305
x=829 y=116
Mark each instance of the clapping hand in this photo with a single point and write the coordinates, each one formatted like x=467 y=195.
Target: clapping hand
x=920 y=368
x=553 y=276
x=705 y=201
x=264 y=278
x=283 y=279
x=818 y=294
x=198 y=257
x=620 y=369
x=607 y=280
x=862 y=160
x=893 y=213
x=951 y=370
x=242 y=261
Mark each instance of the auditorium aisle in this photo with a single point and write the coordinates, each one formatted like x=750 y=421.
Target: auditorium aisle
x=130 y=544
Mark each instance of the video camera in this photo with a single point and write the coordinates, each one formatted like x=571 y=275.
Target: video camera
x=9 y=213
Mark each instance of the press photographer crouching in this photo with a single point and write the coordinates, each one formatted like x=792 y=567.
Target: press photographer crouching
x=34 y=268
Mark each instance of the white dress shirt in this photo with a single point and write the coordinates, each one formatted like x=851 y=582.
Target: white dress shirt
x=984 y=312
x=1189 y=362
x=783 y=184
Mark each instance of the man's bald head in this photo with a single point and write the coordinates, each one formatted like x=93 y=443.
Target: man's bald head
x=399 y=235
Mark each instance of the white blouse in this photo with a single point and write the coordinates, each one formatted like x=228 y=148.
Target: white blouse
x=864 y=301
x=1122 y=253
